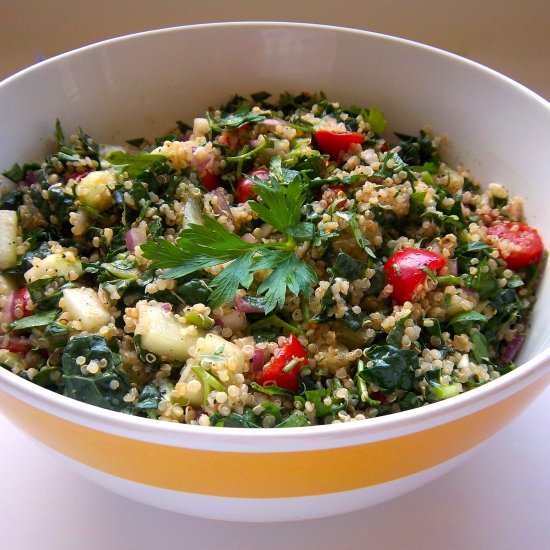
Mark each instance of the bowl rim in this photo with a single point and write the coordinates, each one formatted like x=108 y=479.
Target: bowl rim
x=434 y=414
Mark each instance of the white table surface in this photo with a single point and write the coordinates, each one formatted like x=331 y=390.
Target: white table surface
x=498 y=499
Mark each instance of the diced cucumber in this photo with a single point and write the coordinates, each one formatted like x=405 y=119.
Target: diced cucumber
x=8 y=238
x=83 y=305
x=212 y=344
x=163 y=334
x=53 y=265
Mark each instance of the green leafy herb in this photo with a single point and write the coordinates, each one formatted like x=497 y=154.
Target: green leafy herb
x=433 y=328
x=134 y=164
x=514 y=282
x=362 y=241
x=234 y=420
x=467 y=317
x=392 y=368
x=289 y=272
x=377 y=120
x=272 y=390
x=18 y=173
x=15 y=173
x=243 y=115
x=480 y=347
x=11 y=200
x=202 y=246
x=195 y=291
x=260 y=96
x=268 y=328
x=33 y=321
x=416 y=151
x=303 y=231
x=149 y=398
x=281 y=205
x=348 y=268
x=136 y=142
x=225 y=284
x=106 y=388
x=45 y=376
x=295 y=420
x=483 y=282
x=397 y=332
x=322 y=410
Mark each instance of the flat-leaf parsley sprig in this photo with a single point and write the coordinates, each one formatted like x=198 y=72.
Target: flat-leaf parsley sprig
x=202 y=246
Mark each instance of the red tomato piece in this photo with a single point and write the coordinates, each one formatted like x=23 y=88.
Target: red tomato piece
x=209 y=181
x=404 y=271
x=333 y=143
x=519 y=244
x=17 y=347
x=23 y=298
x=243 y=189
x=273 y=372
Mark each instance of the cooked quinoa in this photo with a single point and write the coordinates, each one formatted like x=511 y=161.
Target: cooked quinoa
x=271 y=265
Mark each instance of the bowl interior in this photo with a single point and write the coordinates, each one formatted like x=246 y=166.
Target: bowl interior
x=140 y=85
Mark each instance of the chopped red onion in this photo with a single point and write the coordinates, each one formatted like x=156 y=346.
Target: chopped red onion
x=223 y=206
x=31 y=178
x=218 y=322
x=512 y=349
x=244 y=306
x=9 y=307
x=472 y=294
x=452 y=266
x=166 y=307
x=204 y=164
x=434 y=246
x=258 y=360
x=135 y=237
x=249 y=238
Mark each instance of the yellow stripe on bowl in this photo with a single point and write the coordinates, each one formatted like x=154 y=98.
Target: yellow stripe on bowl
x=265 y=475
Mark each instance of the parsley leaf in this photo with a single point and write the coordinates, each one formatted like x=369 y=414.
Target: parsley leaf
x=226 y=283
x=211 y=244
x=198 y=246
x=239 y=118
x=134 y=164
x=41 y=319
x=288 y=272
x=281 y=204
x=376 y=120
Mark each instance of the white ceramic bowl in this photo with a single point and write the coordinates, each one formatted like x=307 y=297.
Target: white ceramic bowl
x=139 y=85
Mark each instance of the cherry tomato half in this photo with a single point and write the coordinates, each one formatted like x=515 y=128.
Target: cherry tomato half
x=519 y=244
x=333 y=143
x=17 y=347
x=209 y=180
x=273 y=372
x=243 y=189
x=404 y=271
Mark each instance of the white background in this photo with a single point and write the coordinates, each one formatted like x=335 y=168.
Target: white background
x=498 y=499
